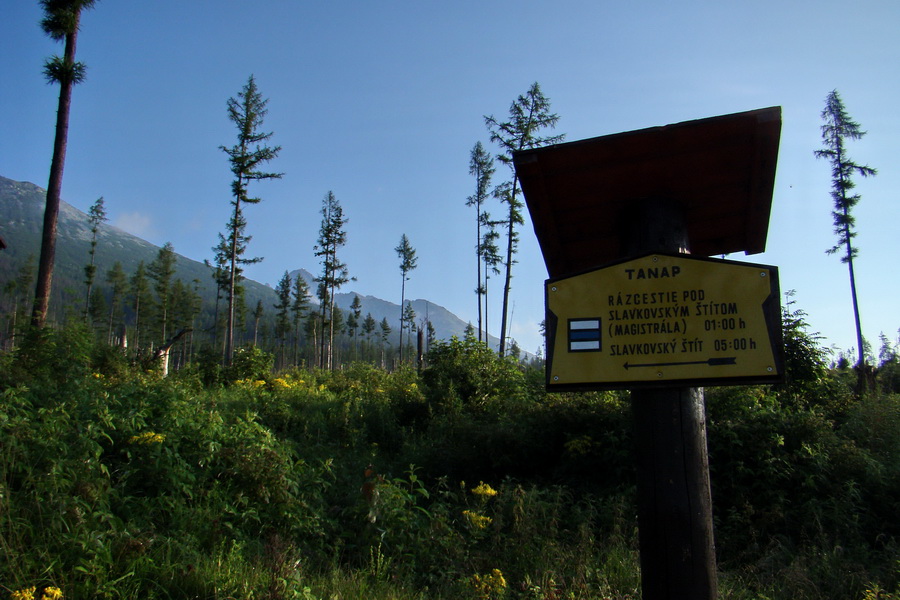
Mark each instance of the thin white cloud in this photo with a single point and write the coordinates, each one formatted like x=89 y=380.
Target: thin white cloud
x=136 y=223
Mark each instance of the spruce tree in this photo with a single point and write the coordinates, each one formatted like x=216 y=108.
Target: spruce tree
x=337 y=326
x=240 y=309
x=481 y=166
x=837 y=128
x=186 y=306
x=258 y=313
x=409 y=317
x=408 y=261
x=247 y=112
x=311 y=333
x=20 y=289
x=162 y=272
x=61 y=21
x=221 y=276
x=490 y=256
x=282 y=313
x=353 y=323
x=332 y=237
x=368 y=329
x=429 y=335
x=385 y=334
x=141 y=302
x=528 y=114
x=96 y=310
x=96 y=216
x=299 y=305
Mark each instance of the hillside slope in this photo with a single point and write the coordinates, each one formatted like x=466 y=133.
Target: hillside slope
x=21 y=218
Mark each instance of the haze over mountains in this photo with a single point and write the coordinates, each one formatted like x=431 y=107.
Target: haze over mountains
x=21 y=221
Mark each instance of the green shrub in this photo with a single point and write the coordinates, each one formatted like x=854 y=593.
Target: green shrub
x=466 y=375
x=50 y=359
x=209 y=366
x=250 y=363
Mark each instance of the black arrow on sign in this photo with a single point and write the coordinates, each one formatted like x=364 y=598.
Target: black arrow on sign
x=713 y=362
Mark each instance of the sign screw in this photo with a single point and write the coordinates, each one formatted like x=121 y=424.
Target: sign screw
x=763 y=274
x=556 y=378
x=553 y=289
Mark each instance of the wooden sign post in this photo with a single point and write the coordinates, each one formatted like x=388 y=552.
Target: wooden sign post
x=678 y=556
x=701 y=186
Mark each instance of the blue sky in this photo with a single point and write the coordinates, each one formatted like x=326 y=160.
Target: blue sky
x=382 y=101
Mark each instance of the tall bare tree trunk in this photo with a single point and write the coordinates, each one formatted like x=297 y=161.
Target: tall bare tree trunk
x=507 y=285
x=229 y=327
x=54 y=188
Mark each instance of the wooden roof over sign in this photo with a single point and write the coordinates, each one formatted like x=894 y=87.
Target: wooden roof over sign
x=721 y=170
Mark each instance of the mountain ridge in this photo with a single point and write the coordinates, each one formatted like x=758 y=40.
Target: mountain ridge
x=21 y=220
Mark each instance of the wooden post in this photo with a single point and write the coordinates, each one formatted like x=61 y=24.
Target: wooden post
x=674 y=503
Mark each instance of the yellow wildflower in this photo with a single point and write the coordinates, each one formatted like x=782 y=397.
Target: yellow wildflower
x=475 y=520
x=52 y=593
x=484 y=490
x=492 y=585
x=148 y=437
x=26 y=594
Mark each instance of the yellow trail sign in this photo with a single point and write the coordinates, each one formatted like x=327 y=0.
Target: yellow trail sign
x=664 y=319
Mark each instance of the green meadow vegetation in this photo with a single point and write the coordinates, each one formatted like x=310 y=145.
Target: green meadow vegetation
x=464 y=481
